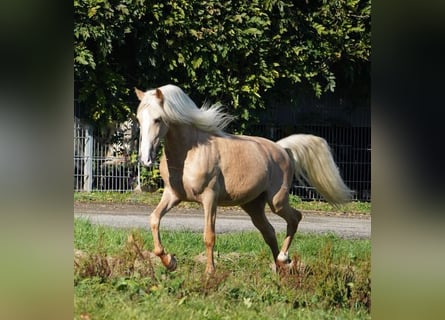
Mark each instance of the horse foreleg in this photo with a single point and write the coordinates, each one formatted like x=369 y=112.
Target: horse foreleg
x=167 y=202
x=209 y=205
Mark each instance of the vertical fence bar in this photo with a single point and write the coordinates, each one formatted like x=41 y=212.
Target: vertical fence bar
x=78 y=150
x=88 y=156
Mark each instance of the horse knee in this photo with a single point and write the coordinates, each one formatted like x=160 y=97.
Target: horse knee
x=154 y=222
x=209 y=241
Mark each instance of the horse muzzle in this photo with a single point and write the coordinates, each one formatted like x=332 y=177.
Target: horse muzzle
x=148 y=161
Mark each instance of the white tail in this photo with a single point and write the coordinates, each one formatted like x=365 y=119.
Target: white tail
x=315 y=164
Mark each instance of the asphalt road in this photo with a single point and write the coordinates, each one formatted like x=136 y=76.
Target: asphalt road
x=228 y=220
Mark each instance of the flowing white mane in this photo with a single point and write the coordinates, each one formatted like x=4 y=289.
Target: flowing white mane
x=179 y=108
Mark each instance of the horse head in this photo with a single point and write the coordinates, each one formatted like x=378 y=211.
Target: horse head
x=151 y=123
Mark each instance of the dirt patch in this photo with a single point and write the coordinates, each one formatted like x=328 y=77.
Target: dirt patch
x=231 y=219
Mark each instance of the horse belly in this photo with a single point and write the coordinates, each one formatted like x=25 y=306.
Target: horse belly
x=243 y=180
x=235 y=198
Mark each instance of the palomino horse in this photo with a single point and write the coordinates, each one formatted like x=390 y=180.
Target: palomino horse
x=202 y=163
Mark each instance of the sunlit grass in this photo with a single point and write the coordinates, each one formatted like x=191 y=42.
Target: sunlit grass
x=152 y=199
x=111 y=281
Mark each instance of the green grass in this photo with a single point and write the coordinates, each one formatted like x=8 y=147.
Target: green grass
x=153 y=199
x=145 y=198
x=335 y=283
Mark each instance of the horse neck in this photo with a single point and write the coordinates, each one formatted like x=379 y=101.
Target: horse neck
x=181 y=138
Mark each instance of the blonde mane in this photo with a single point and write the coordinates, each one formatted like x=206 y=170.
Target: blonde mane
x=179 y=108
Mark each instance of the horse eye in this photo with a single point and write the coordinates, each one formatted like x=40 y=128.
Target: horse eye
x=157 y=120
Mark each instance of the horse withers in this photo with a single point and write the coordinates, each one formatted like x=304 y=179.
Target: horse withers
x=202 y=163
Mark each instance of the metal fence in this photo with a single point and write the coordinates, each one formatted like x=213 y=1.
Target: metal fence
x=98 y=168
x=351 y=149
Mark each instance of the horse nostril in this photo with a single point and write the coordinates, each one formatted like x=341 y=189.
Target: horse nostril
x=145 y=162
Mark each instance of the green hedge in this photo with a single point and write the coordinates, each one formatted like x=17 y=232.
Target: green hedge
x=231 y=51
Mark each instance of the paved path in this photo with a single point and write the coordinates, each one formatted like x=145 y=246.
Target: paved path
x=122 y=216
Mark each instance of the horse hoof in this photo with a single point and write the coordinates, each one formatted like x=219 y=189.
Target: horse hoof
x=172 y=264
x=285 y=267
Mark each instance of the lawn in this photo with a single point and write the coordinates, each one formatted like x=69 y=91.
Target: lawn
x=152 y=199
x=115 y=278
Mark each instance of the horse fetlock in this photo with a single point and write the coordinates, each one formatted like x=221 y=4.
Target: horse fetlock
x=210 y=270
x=283 y=257
x=169 y=261
x=159 y=251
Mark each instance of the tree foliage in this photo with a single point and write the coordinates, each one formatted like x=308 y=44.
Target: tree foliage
x=231 y=51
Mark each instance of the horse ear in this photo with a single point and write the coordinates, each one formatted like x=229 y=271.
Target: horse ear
x=159 y=94
x=140 y=94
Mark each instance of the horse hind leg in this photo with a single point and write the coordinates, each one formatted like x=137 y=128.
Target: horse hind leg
x=279 y=204
x=255 y=209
